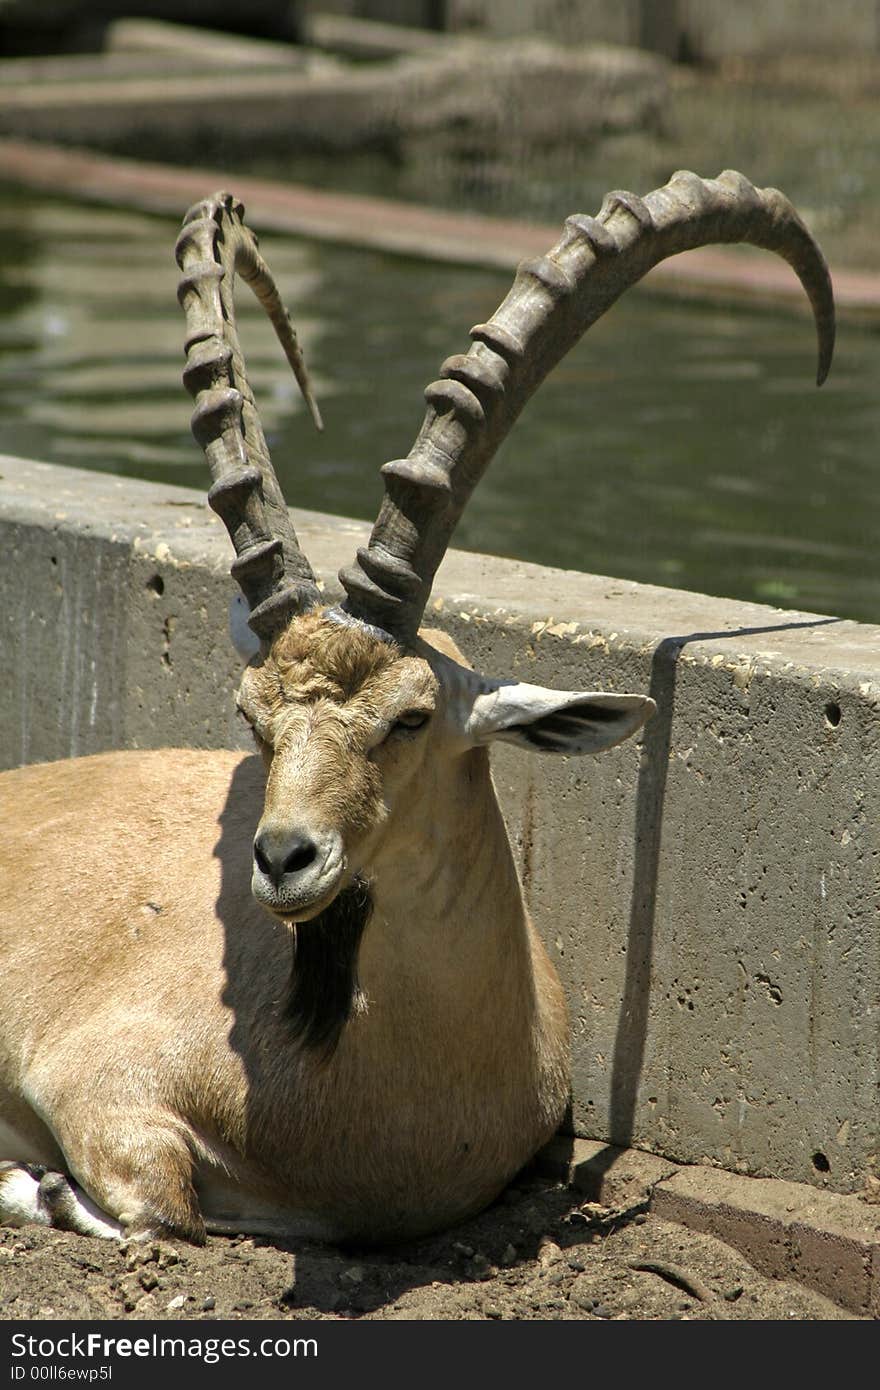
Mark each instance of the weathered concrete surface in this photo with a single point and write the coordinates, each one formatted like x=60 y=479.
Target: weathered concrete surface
x=710 y=29
x=458 y=93
x=709 y=895
x=204 y=47
x=370 y=38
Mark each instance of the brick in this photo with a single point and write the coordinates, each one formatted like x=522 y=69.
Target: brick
x=833 y=1264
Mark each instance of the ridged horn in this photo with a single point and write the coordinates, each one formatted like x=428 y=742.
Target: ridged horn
x=553 y=301
x=271 y=570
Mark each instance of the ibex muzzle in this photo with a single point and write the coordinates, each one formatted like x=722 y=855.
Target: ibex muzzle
x=308 y=997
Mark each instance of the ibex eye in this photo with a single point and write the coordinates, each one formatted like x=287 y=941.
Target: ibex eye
x=411 y=719
x=259 y=741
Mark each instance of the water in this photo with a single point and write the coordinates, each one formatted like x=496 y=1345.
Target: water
x=677 y=444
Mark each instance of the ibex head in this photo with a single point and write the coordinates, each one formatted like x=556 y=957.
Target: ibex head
x=359 y=719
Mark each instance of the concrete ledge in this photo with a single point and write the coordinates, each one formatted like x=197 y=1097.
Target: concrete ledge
x=371 y=38
x=786 y=1230
x=202 y=47
x=708 y=894
x=604 y=1173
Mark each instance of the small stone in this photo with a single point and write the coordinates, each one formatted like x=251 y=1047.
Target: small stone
x=480 y=1266
x=600 y=1311
x=492 y=1310
x=555 y=1277
x=175 y=1303
x=577 y=1262
x=549 y=1253
x=209 y=1303
x=138 y=1254
x=167 y=1255
x=733 y=1294
x=580 y=1295
x=872 y=1189
x=640 y=1218
x=148 y=1280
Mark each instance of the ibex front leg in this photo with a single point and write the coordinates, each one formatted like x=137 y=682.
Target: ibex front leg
x=31 y=1194
x=133 y=1172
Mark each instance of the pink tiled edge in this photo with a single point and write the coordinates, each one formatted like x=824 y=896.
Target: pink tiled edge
x=461 y=238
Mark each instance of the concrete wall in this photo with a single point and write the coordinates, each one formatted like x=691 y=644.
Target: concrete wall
x=709 y=894
x=710 y=28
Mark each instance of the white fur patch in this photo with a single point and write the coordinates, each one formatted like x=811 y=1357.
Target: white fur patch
x=20 y=1199
x=89 y=1219
x=51 y=1201
x=244 y=639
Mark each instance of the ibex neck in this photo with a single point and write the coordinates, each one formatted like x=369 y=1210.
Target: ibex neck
x=447 y=888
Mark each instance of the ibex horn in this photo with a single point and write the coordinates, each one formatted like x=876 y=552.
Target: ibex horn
x=273 y=573
x=552 y=302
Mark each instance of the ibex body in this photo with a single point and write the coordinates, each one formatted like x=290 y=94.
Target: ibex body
x=300 y=991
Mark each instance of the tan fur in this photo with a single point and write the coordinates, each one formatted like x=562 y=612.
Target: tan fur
x=142 y=985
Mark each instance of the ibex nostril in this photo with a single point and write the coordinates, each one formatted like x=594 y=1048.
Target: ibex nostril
x=263 y=861
x=300 y=856
x=277 y=859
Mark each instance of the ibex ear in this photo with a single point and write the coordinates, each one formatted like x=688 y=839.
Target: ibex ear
x=556 y=721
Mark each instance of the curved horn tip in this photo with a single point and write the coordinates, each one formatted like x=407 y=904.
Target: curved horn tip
x=826 y=352
x=826 y=328
x=818 y=285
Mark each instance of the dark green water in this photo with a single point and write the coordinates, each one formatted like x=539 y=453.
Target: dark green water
x=677 y=444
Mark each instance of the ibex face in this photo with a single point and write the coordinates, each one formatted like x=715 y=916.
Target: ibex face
x=358 y=735
x=344 y=724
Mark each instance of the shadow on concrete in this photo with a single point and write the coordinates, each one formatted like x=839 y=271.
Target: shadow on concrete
x=632 y=1024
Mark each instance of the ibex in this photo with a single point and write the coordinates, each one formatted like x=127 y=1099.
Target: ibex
x=299 y=992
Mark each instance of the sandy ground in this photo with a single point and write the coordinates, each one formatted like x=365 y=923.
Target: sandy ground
x=538 y=1252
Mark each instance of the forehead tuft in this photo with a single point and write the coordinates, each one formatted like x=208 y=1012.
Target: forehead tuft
x=326 y=658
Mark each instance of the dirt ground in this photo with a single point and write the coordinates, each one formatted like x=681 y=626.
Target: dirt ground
x=538 y=1252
